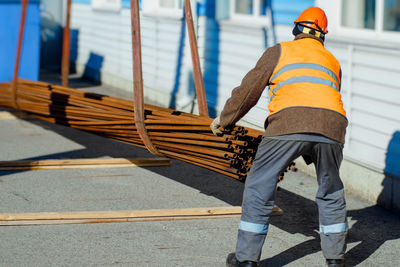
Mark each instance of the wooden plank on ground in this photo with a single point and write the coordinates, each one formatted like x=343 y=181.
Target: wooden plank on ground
x=81 y=217
x=85 y=221
x=83 y=163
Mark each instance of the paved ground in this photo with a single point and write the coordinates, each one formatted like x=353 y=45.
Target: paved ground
x=374 y=237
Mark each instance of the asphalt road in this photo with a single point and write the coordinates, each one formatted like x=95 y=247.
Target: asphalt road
x=374 y=236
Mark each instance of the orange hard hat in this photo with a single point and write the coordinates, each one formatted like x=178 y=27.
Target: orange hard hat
x=313 y=17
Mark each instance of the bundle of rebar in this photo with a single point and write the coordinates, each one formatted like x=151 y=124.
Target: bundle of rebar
x=175 y=134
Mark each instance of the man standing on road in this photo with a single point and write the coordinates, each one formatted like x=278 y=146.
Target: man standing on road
x=306 y=118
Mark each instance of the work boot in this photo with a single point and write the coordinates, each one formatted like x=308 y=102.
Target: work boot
x=231 y=261
x=335 y=263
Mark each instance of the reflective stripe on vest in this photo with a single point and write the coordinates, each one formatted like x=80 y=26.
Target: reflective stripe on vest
x=304 y=79
x=308 y=66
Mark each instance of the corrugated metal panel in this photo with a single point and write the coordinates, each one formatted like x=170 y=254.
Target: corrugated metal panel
x=109 y=36
x=368 y=104
x=227 y=51
x=10 y=13
x=230 y=51
x=371 y=94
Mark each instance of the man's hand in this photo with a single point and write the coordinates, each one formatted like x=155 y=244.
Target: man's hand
x=215 y=125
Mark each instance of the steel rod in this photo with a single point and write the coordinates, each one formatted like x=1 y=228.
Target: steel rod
x=192 y=142
x=232 y=175
x=179 y=135
x=198 y=77
x=65 y=60
x=138 y=77
x=14 y=82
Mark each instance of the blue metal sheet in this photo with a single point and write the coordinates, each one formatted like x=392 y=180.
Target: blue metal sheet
x=286 y=11
x=10 y=13
x=82 y=1
x=127 y=4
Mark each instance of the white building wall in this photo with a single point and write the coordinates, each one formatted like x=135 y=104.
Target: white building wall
x=108 y=34
x=371 y=94
x=240 y=47
x=371 y=86
x=370 y=82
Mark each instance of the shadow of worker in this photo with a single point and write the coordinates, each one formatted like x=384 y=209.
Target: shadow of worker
x=369 y=227
x=374 y=225
x=300 y=217
x=390 y=195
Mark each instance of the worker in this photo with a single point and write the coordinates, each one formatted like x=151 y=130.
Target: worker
x=306 y=118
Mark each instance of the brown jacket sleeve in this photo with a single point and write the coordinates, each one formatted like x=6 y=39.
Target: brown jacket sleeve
x=246 y=96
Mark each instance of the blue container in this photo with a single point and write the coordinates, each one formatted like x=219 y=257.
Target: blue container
x=10 y=16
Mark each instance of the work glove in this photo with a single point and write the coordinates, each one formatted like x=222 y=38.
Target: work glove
x=215 y=124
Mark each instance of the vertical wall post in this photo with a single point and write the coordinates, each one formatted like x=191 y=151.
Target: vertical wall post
x=198 y=77
x=65 y=60
x=24 y=4
x=138 y=102
x=349 y=92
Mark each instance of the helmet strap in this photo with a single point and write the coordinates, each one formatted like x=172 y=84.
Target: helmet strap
x=299 y=28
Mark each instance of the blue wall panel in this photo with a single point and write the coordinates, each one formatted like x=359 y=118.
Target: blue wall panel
x=82 y=1
x=286 y=11
x=124 y=3
x=10 y=13
x=127 y=4
x=207 y=8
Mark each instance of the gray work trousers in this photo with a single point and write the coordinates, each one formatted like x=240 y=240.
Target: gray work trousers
x=273 y=156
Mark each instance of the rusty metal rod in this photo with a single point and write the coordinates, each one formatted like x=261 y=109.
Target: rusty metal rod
x=207 y=162
x=177 y=122
x=138 y=77
x=207 y=151
x=14 y=88
x=195 y=136
x=198 y=77
x=65 y=60
x=214 y=159
x=177 y=132
x=192 y=142
x=177 y=128
x=175 y=155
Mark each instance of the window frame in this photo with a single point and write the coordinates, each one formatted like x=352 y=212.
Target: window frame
x=104 y=6
x=256 y=17
x=378 y=33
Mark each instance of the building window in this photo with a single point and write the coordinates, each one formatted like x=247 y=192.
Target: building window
x=376 y=15
x=171 y=4
x=391 y=15
x=242 y=9
x=359 y=14
x=168 y=8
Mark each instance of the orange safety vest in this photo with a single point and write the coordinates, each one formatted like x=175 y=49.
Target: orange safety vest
x=307 y=75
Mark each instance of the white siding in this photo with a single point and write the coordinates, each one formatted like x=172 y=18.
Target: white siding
x=371 y=95
x=370 y=82
x=239 y=49
x=109 y=35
